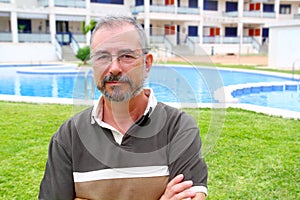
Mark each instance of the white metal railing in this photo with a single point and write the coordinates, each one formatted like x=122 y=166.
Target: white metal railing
x=80 y=38
x=231 y=14
x=5 y=37
x=269 y=15
x=168 y=44
x=297 y=16
x=162 y=8
x=296 y=64
x=192 y=42
x=74 y=45
x=256 y=44
x=187 y=10
x=43 y=3
x=259 y=14
x=58 y=48
x=154 y=39
x=70 y=3
x=165 y=9
x=34 y=37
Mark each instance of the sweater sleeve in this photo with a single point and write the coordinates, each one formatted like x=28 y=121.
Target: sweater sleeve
x=57 y=182
x=185 y=154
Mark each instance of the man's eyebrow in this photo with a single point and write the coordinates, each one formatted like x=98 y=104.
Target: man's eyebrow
x=126 y=51
x=101 y=52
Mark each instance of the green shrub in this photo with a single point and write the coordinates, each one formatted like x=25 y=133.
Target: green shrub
x=83 y=54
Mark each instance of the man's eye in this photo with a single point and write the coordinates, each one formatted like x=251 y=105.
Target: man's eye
x=103 y=57
x=127 y=57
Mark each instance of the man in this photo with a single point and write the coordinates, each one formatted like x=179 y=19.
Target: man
x=127 y=146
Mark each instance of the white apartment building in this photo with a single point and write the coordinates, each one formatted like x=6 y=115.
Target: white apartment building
x=38 y=30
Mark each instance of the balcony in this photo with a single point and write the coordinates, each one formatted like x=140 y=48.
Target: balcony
x=70 y=3
x=253 y=14
x=63 y=3
x=226 y=40
x=297 y=16
x=166 y=9
x=34 y=37
x=259 y=14
x=5 y=37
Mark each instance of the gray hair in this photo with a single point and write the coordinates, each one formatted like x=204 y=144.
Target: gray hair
x=116 y=21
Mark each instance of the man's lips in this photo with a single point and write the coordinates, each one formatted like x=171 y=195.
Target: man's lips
x=115 y=82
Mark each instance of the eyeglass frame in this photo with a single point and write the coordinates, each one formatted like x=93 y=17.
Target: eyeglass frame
x=118 y=56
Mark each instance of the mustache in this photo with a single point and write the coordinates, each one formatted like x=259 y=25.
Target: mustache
x=118 y=78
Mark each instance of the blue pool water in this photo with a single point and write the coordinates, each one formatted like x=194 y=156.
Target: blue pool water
x=170 y=84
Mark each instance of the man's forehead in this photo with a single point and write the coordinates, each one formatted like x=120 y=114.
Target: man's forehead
x=119 y=38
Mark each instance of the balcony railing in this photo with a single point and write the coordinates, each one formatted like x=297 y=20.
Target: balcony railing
x=297 y=16
x=226 y=40
x=166 y=9
x=5 y=37
x=34 y=37
x=80 y=38
x=258 y=14
x=70 y=3
x=63 y=3
x=43 y=3
x=155 y=39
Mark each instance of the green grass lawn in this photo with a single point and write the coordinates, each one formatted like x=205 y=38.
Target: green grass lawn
x=255 y=156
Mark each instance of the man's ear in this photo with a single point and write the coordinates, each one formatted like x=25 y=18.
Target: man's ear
x=148 y=63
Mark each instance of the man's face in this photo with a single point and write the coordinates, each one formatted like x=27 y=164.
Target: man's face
x=120 y=67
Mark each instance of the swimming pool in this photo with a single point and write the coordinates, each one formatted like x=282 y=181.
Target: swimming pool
x=170 y=84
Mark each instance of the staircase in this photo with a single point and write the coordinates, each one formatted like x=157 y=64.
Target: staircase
x=68 y=54
x=182 y=50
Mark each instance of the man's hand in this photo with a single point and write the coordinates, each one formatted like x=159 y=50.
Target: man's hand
x=178 y=190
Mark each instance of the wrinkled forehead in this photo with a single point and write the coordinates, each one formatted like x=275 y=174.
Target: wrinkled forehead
x=115 y=38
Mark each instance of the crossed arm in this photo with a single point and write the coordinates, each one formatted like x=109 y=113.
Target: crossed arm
x=177 y=189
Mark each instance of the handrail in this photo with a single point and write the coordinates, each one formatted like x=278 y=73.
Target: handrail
x=74 y=44
x=168 y=44
x=256 y=44
x=58 y=48
x=191 y=43
x=294 y=69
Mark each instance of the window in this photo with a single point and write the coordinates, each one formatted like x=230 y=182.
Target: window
x=210 y=5
x=285 y=9
x=24 y=25
x=254 y=6
x=214 y=31
x=230 y=32
x=268 y=8
x=169 y=30
x=254 y=32
x=192 y=31
x=108 y=1
x=231 y=6
x=169 y=2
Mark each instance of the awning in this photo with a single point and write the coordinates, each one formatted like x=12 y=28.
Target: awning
x=70 y=18
x=32 y=16
x=4 y=14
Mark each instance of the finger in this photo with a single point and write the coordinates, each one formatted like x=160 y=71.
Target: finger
x=185 y=195
x=177 y=179
x=180 y=187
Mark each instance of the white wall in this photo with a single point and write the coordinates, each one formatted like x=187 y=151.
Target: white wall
x=223 y=49
x=284 y=45
x=30 y=52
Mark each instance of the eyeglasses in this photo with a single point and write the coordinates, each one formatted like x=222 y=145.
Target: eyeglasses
x=125 y=58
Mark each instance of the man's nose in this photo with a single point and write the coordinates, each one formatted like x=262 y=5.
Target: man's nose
x=115 y=67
